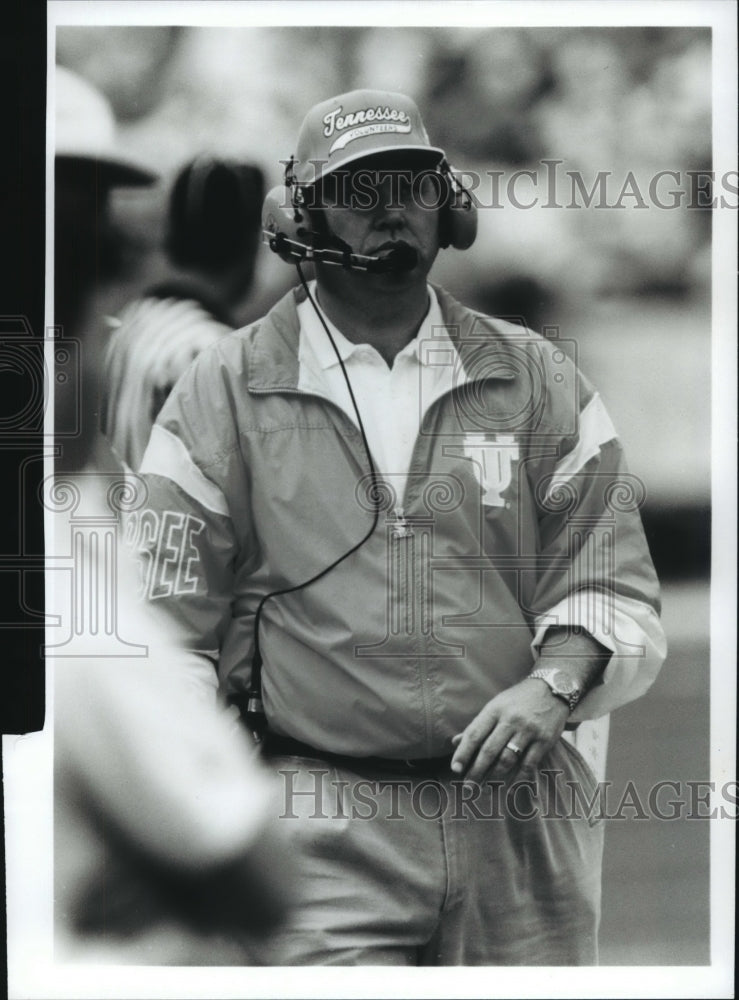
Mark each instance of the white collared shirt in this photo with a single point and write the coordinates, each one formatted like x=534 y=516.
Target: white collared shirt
x=391 y=401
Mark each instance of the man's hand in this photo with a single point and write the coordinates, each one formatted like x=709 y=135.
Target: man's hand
x=526 y=715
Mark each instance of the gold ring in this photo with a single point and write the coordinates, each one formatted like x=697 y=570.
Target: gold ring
x=512 y=746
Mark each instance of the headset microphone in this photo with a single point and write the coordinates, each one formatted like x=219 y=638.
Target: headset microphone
x=397 y=259
x=285 y=235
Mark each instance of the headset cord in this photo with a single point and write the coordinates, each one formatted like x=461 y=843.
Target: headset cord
x=255 y=717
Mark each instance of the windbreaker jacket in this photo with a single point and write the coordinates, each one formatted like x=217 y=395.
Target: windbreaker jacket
x=517 y=514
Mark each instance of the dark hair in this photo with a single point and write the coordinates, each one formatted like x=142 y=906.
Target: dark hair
x=214 y=214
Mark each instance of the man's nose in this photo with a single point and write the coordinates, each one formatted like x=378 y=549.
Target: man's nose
x=390 y=220
x=393 y=193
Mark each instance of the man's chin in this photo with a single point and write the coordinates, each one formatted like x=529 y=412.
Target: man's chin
x=398 y=279
x=406 y=264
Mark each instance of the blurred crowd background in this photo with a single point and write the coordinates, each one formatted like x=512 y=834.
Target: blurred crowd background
x=628 y=291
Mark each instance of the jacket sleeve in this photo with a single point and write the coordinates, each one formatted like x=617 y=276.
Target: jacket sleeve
x=189 y=547
x=595 y=571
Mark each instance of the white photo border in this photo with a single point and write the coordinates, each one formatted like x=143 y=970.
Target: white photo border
x=28 y=759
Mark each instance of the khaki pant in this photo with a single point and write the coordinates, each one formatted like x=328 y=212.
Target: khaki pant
x=405 y=870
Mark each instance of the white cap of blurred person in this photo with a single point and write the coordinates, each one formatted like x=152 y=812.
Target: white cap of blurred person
x=212 y=237
x=85 y=132
x=163 y=848
x=89 y=163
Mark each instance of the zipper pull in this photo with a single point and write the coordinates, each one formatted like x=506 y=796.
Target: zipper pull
x=401 y=528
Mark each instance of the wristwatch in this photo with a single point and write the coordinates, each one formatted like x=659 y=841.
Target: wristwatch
x=560 y=684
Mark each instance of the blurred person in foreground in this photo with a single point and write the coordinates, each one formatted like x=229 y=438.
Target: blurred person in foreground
x=164 y=850
x=416 y=560
x=213 y=232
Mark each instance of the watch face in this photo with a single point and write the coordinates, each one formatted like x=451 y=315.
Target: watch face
x=562 y=682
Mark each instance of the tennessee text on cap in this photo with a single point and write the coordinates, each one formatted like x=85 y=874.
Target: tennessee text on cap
x=357 y=124
x=85 y=130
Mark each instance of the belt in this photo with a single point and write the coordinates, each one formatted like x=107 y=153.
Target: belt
x=275 y=745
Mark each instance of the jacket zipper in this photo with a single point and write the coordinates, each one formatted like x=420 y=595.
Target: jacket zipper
x=401 y=529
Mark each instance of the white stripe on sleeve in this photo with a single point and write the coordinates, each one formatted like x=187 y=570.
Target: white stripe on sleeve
x=167 y=456
x=596 y=429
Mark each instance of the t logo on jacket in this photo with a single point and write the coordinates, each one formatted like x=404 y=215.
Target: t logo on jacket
x=492 y=458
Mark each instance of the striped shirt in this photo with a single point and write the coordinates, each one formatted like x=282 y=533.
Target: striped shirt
x=154 y=340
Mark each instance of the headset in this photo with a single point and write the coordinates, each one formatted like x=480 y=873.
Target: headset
x=293 y=227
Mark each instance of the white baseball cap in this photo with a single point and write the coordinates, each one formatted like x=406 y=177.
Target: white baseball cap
x=86 y=130
x=356 y=125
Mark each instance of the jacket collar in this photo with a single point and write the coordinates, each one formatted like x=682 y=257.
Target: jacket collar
x=274 y=363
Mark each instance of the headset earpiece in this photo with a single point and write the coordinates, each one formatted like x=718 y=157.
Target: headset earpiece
x=458 y=222
x=281 y=218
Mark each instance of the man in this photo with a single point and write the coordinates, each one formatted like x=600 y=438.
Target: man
x=405 y=532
